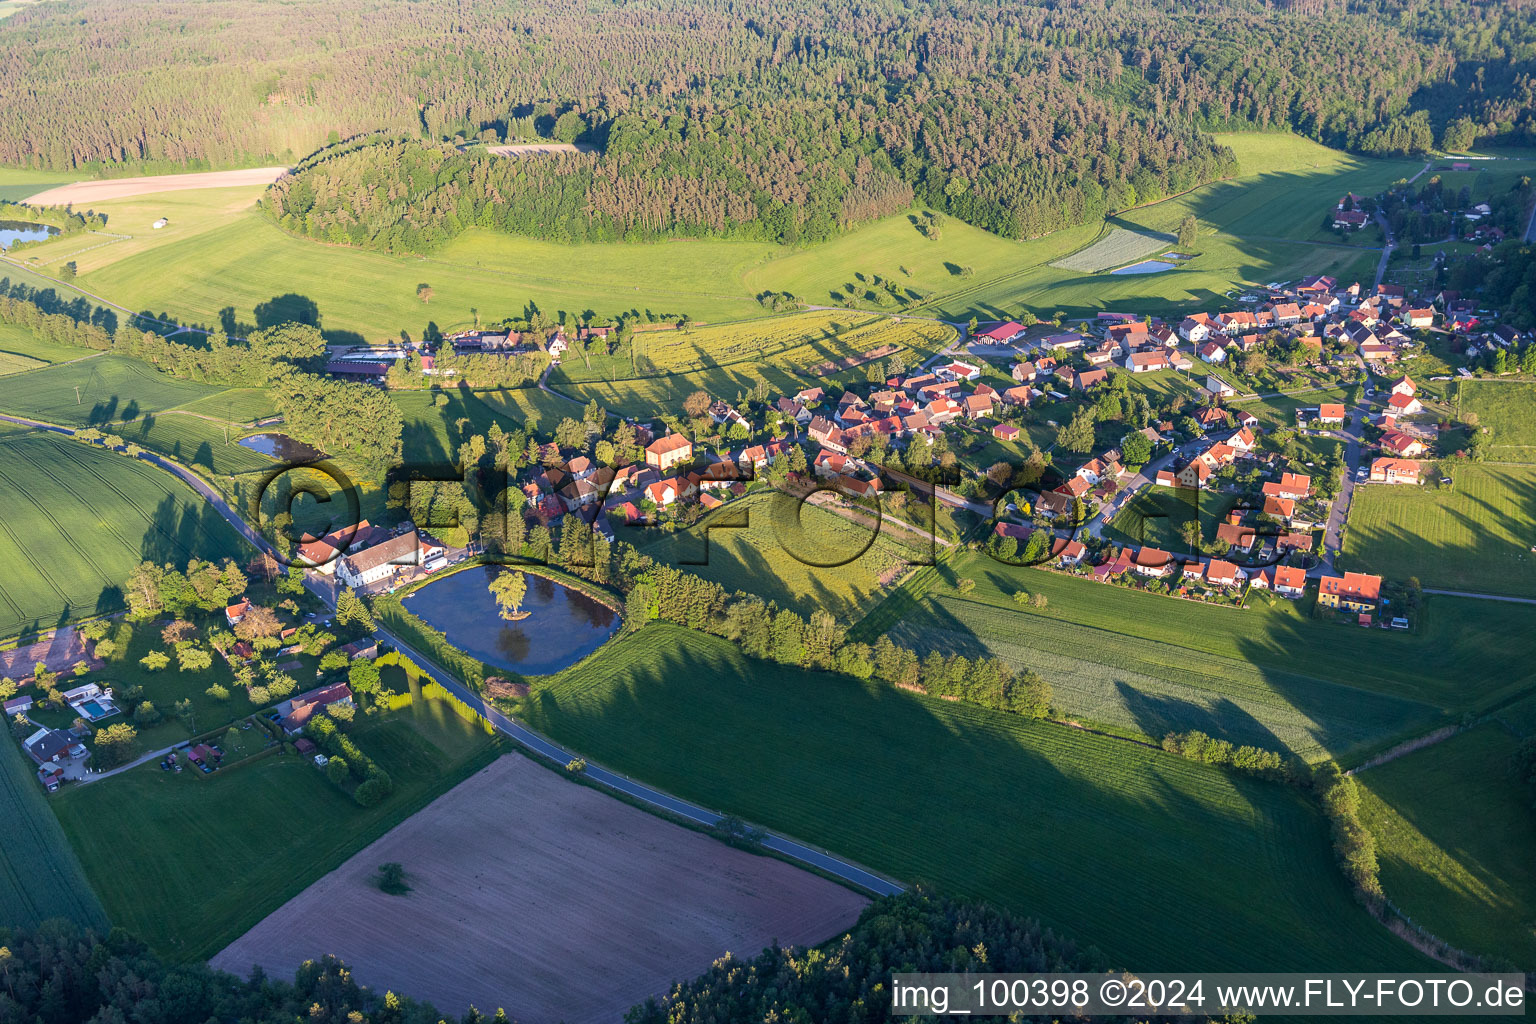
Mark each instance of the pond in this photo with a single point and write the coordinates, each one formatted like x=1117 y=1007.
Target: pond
x=1146 y=267
x=563 y=625
x=13 y=231
x=281 y=447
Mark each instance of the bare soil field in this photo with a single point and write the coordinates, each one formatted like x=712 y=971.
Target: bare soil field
x=546 y=898
x=83 y=193
x=59 y=651
x=526 y=148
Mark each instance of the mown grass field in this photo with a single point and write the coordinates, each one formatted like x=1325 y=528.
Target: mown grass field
x=112 y=389
x=1454 y=834
x=11 y=362
x=801 y=556
x=1506 y=408
x=75 y=520
x=40 y=877
x=17 y=183
x=1270 y=675
x=1279 y=413
x=1476 y=535
x=1032 y=816
x=189 y=862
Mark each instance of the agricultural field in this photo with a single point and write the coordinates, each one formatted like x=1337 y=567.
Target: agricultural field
x=1474 y=535
x=202 y=444
x=40 y=878
x=11 y=362
x=236 y=405
x=1029 y=815
x=1506 y=408
x=74 y=520
x=1454 y=830
x=812 y=560
x=1116 y=248
x=785 y=370
x=19 y=341
x=1269 y=674
x=202 y=858
x=581 y=906
x=112 y=389
x=534 y=408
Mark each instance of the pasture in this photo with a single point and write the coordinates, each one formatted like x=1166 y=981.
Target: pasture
x=201 y=859
x=75 y=520
x=40 y=877
x=801 y=556
x=1475 y=535
x=1454 y=833
x=981 y=804
x=1157 y=516
x=1270 y=675
x=535 y=894
x=1506 y=408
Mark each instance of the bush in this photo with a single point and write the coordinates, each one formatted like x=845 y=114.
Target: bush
x=218 y=691
x=392 y=879
x=337 y=770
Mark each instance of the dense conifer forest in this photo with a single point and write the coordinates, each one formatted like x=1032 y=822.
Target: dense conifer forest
x=765 y=119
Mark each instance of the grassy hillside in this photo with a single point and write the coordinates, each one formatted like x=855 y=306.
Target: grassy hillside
x=1268 y=675
x=189 y=862
x=75 y=520
x=217 y=252
x=981 y=804
x=1454 y=833
x=1476 y=535
x=1509 y=411
x=40 y=877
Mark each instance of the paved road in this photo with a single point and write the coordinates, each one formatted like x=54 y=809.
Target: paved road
x=1386 y=251
x=1338 y=515
x=552 y=751
x=1481 y=597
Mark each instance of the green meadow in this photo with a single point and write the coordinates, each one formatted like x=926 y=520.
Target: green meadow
x=1144 y=665
x=981 y=804
x=40 y=877
x=219 y=253
x=1454 y=834
x=1475 y=535
x=75 y=520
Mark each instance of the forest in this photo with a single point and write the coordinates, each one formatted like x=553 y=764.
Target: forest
x=766 y=119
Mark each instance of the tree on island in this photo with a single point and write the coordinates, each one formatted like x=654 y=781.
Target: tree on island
x=509 y=589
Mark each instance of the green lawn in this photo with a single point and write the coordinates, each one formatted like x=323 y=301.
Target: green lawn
x=1506 y=408
x=1270 y=675
x=40 y=877
x=1454 y=834
x=189 y=862
x=800 y=556
x=74 y=520
x=1279 y=413
x=979 y=804
x=1476 y=535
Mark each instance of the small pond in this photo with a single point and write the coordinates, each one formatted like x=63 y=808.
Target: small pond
x=281 y=447
x=563 y=625
x=1146 y=267
x=13 y=231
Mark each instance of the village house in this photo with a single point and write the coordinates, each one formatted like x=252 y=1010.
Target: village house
x=1355 y=591
x=1153 y=562
x=1148 y=362
x=381 y=560
x=1330 y=412
x=1196 y=328
x=1419 y=318
x=1295 y=486
x=1288 y=581
x=1222 y=574
x=297 y=711
x=1401 y=444
x=666 y=452
x=1394 y=471
x=1404 y=405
